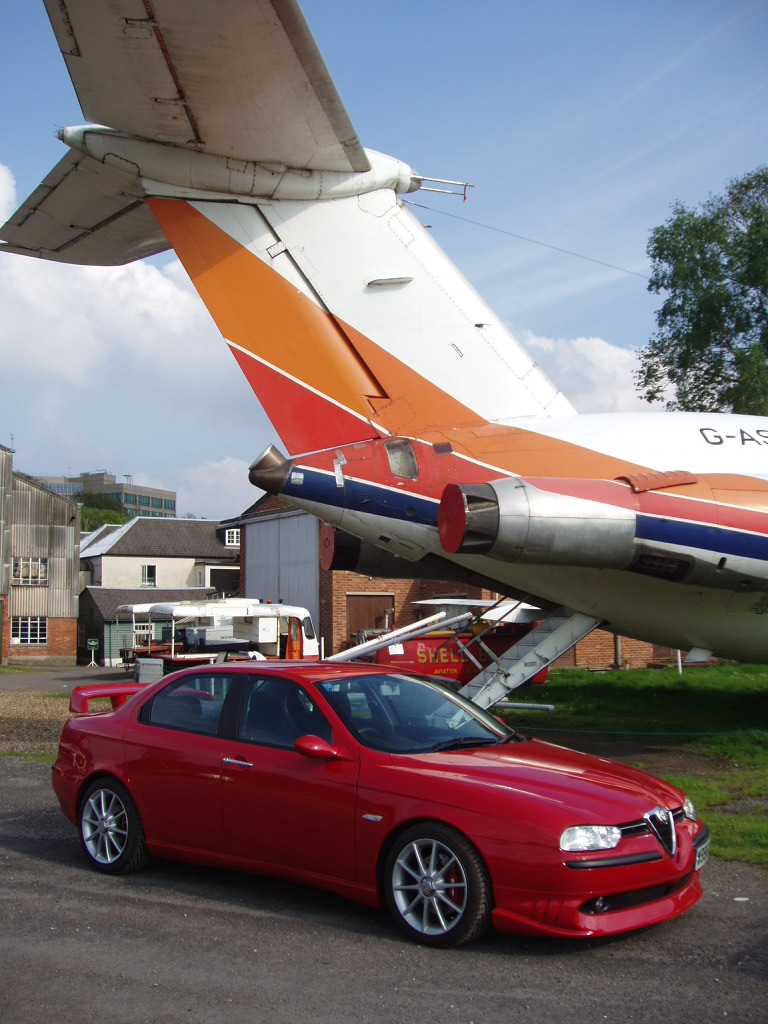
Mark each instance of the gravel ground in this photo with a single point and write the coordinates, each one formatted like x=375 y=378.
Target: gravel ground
x=30 y=721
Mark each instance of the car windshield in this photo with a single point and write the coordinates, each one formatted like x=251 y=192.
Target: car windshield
x=406 y=714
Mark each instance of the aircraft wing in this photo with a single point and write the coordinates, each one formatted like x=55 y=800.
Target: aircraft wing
x=85 y=212
x=186 y=72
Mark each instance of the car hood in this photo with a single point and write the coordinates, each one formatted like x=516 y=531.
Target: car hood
x=604 y=790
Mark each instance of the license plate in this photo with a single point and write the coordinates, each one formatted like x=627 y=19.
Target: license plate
x=702 y=855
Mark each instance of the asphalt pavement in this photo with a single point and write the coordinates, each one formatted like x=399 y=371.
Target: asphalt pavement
x=49 y=679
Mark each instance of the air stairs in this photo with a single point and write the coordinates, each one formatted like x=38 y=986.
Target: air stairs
x=544 y=644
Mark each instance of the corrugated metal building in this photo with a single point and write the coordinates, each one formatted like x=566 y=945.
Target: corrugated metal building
x=39 y=578
x=280 y=561
x=6 y=493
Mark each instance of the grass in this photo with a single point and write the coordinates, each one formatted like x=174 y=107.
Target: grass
x=40 y=755
x=715 y=718
x=660 y=702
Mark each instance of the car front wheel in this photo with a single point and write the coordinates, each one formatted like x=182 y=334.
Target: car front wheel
x=437 y=887
x=111 y=833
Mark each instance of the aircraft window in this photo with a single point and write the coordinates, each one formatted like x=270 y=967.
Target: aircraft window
x=402 y=459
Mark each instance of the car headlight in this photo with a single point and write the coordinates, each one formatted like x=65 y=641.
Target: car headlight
x=689 y=810
x=590 y=837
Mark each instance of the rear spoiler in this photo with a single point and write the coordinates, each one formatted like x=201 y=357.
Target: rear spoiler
x=117 y=693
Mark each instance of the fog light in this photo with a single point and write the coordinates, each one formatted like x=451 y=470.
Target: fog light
x=601 y=904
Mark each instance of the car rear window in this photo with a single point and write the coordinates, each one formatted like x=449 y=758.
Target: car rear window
x=191 y=704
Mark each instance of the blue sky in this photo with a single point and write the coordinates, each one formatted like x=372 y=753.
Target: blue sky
x=578 y=124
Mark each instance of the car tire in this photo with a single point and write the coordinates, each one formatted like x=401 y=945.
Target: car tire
x=437 y=887
x=111 y=832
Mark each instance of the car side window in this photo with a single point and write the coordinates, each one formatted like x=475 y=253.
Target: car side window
x=275 y=712
x=191 y=704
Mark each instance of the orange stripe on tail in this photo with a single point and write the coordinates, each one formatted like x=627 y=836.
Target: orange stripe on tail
x=260 y=312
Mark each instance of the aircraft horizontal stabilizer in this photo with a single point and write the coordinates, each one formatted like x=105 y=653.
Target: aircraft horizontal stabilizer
x=85 y=212
x=241 y=80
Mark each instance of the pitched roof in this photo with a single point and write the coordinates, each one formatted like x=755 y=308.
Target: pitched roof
x=107 y=599
x=162 y=538
x=268 y=505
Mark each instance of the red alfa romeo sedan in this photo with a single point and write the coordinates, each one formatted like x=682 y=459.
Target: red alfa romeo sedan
x=383 y=787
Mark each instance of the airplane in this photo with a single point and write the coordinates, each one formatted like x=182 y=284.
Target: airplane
x=406 y=415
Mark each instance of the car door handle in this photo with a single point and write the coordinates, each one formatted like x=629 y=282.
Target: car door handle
x=237 y=764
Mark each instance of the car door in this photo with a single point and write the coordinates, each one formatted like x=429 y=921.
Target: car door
x=173 y=756
x=281 y=807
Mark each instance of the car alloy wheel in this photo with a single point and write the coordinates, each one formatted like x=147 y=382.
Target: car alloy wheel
x=111 y=832
x=437 y=887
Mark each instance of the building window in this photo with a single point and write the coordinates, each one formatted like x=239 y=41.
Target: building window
x=156 y=502
x=232 y=538
x=149 y=575
x=129 y=499
x=30 y=572
x=169 y=504
x=144 y=499
x=29 y=630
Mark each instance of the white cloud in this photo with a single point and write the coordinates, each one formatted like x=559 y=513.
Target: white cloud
x=216 y=490
x=7 y=193
x=593 y=374
x=122 y=368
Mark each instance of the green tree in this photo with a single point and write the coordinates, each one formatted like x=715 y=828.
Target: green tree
x=92 y=518
x=98 y=509
x=710 y=348
x=91 y=500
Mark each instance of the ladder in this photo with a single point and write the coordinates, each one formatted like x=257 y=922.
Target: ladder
x=552 y=637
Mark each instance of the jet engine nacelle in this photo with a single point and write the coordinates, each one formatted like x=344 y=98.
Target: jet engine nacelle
x=512 y=520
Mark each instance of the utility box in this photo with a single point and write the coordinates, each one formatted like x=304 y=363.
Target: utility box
x=148 y=670
x=259 y=630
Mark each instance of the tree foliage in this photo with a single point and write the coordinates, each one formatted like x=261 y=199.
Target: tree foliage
x=710 y=348
x=91 y=500
x=98 y=509
x=93 y=518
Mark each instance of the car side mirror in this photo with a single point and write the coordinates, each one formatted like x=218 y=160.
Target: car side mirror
x=313 y=746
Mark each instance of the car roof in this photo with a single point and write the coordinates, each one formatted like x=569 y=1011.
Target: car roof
x=309 y=671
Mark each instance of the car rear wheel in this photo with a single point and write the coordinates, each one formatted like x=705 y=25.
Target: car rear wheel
x=111 y=833
x=437 y=887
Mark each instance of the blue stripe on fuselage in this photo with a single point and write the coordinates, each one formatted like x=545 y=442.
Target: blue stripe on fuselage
x=405 y=506
x=362 y=496
x=702 y=536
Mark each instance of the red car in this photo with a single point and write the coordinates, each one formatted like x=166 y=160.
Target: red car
x=383 y=787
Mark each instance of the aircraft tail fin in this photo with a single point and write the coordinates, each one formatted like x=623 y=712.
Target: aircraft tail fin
x=349 y=321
